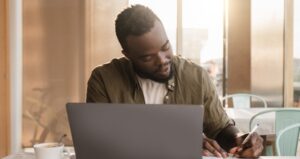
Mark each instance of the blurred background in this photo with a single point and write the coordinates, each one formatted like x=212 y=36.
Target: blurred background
x=248 y=46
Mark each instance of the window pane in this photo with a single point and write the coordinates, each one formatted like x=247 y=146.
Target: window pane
x=203 y=36
x=297 y=53
x=267 y=50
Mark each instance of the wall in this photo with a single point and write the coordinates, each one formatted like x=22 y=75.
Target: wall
x=63 y=41
x=4 y=81
x=53 y=67
x=102 y=43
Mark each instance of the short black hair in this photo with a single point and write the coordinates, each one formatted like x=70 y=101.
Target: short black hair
x=135 y=20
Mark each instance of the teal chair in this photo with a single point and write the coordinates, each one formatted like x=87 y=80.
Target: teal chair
x=287 y=140
x=243 y=100
x=283 y=118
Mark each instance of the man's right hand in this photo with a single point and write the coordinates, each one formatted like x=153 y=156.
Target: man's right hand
x=211 y=147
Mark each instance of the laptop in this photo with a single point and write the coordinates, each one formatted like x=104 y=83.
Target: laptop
x=136 y=131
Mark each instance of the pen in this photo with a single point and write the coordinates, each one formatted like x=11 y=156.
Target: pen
x=249 y=135
x=240 y=147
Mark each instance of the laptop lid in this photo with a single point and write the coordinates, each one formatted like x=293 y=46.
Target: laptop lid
x=136 y=131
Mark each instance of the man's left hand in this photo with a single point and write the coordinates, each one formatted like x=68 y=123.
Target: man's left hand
x=252 y=148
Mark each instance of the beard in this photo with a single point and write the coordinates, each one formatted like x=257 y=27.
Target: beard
x=152 y=76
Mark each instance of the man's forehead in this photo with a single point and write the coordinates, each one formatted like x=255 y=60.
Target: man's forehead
x=153 y=39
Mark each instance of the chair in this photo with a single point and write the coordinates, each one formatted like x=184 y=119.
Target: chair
x=243 y=100
x=287 y=140
x=283 y=118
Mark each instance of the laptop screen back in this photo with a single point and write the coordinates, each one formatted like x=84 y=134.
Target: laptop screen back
x=136 y=131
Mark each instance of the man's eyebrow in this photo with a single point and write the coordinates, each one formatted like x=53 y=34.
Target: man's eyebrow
x=166 y=43
x=150 y=54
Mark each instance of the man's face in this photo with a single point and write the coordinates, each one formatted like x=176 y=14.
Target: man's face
x=151 y=54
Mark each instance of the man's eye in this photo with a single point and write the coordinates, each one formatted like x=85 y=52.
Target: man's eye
x=147 y=58
x=165 y=48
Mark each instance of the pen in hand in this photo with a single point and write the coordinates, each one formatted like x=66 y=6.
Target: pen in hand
x=248 y=137
x=234 y=152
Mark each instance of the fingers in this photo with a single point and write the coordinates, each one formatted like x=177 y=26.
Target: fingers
x=254 y=140
x=253 y=148
x=212 y=147
x=233 y=150
x=206 y=153
x=254 y=151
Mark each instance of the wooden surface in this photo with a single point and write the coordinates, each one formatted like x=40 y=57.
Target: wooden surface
x=4 y=82
x=288 y=58
x=238 y=51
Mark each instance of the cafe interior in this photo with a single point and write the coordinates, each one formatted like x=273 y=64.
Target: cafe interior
x=250 y=49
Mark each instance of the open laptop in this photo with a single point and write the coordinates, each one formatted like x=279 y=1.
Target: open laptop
x=136 y=131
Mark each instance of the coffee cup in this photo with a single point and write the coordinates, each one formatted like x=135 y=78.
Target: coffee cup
x=49 y=150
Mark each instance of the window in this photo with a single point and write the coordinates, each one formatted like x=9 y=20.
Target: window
x=296 y=53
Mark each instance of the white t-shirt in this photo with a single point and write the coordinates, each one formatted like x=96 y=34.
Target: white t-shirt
x=154 y=92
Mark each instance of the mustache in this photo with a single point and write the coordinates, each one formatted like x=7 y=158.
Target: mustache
x=163 y=65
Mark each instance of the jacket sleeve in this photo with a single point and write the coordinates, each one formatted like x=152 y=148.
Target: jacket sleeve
x=96 y=90
x=215 y=117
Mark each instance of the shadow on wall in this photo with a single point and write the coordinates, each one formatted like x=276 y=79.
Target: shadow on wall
x=46 y=120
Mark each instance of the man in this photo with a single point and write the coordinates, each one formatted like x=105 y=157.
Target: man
x=150 y=74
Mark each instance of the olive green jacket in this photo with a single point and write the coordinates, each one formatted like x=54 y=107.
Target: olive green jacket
x=116 y=82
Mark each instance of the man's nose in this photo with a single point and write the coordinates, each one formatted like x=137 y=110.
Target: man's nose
x=162 y=58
